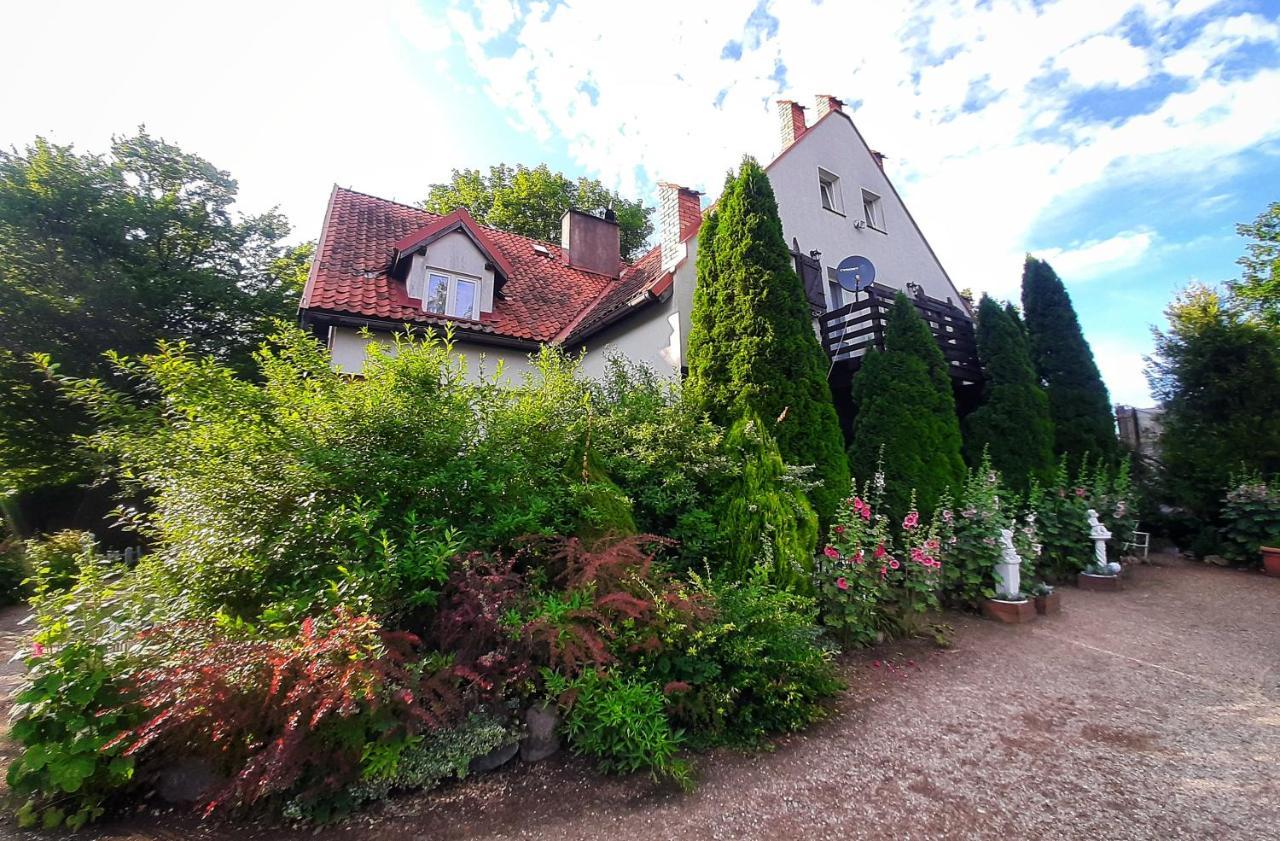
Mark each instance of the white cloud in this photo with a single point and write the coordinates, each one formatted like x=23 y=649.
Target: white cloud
x=289 y=97
x=911 y=68
x=1104 y=60
x=1122 y=365
x=1089 y=260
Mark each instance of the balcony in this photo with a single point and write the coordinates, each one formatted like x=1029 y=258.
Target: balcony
x=849 y=332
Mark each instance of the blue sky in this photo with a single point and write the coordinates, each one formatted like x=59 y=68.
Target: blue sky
x=1120 y=140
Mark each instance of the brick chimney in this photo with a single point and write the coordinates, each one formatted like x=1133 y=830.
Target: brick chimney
x=591 y=243
x=791 y=121
x=679 y=217
x=828 y=103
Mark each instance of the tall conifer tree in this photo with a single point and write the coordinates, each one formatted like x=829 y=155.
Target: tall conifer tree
x=1013 y=422
x=906 y=409
x=1078 y=401
x=752 y=348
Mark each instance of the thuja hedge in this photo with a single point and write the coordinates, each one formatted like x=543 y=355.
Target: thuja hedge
x=352 y=583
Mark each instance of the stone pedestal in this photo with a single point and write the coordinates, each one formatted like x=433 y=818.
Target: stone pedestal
x=1103 y=583
x=1011 y=613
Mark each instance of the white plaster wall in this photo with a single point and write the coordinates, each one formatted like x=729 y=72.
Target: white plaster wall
x=651 y=337
x=900 y=255
x=347 y=346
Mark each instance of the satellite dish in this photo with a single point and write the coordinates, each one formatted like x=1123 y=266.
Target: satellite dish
x=855 y=274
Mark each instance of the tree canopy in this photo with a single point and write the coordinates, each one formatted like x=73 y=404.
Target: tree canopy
x=111 y=253
x=1258 y=288
x=530 y=201
x=1012 y=425
x=752 y=348
x=1078 y=401
x=906 y=415
x=1216 y=371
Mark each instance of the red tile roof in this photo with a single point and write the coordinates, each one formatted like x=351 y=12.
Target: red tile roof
x=543 y=298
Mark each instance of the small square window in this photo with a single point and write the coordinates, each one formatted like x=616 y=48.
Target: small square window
x=873 y=210
x=829 y=191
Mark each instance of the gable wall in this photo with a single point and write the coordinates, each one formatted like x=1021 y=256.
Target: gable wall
x=900 y=254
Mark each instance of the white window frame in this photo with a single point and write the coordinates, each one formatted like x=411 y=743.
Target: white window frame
x=873 y=211
x=452 y=280
x=829 y=191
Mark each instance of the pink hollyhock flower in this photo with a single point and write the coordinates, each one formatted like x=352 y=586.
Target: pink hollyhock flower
x=912 y=520
x=858 y=504
x=37 y=650
x=894 y=564
x=839 y=529
x=831 y=552
x=879 y=551
x=931 y=544
x=866 y=513
x=1080 y=492
x=841 y=584
x=406 y=697
x=884 y=571
x=857 y=558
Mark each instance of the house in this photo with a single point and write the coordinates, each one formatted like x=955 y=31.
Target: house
x=1140 y=430
x=381 y=266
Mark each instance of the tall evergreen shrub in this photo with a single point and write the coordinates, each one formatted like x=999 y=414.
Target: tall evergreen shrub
x=752 y=347
x=906 y=407
x=1078 y=401
x=773 y=524
x=1013 y=422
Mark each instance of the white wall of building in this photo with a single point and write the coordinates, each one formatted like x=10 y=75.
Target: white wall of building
x=651 y=337
x=348 y=347
x=900 y=254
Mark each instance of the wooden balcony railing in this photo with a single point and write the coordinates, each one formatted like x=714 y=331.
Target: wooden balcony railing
x=849 y=332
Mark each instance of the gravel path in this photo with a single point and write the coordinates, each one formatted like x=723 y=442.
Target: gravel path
x=1148 y=714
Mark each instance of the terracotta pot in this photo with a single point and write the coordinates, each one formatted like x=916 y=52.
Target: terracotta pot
x=1271 y=561
x=1013 y=613
x=1103 y=583
x=1051 y=603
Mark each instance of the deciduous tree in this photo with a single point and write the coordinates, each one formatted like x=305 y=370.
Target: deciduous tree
x=530 y=201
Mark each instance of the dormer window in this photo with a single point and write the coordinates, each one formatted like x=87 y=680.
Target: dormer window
x=447 y=294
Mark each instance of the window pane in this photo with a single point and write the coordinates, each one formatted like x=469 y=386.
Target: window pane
x=465 y=304
x=437 y=292
x=825 y=189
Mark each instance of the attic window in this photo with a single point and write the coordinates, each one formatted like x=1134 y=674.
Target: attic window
x=541 y=250
x=873 y=210
x=447 y=294
x=829 y=191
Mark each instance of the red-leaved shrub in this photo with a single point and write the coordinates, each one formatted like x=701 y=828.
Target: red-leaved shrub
x=290 y=716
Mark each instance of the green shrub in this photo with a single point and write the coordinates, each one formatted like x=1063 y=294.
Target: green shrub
x=622 y=722
x=55 y=560
x=1251 y=519
x=14 y=571
x=66 y=720
x=773 y=526
x=419 y=763
x=1062 y=516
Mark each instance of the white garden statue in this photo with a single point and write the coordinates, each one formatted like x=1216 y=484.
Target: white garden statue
x=1099 y=534
x=1008 y=574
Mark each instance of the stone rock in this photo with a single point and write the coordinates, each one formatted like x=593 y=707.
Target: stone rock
x=495 y=759
x=542 y=726
x=187 y=781
x=1217 y=560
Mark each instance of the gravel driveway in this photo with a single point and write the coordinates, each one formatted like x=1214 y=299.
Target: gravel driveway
x=1148 y=714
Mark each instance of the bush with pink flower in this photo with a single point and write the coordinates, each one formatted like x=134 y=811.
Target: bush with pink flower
x=877 y=578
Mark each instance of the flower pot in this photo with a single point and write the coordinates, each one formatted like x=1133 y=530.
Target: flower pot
x=1012 y=613
x=1102 y=583
x=1046 y=605
x=1271 y=561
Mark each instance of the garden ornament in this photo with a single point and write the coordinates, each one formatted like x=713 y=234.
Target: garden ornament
x=1099 y=534
x=1007 y=571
